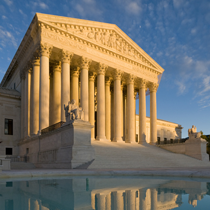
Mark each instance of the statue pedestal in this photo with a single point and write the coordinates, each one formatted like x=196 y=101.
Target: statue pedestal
x=4 y=163
x=196 y=148
x=82 y=151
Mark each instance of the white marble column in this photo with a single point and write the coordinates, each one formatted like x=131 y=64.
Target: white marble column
x=130 y=109
x=108 y=201
x=135 y=93
x=92 y=103
x=22 y=76
x=112 y=112
x=142 y=199
x=122 y=107
x=100 y=201
x=153 y=113
x=107 y=108
x=125 y=115
x=154 y=199
x=35 y=96
x=27 y=102
x=101 y=102
x=45 y=50
x=75 y=84
x=85 y=63
x=118 y=200
x=142 y=111
x=117 y=106
x=131 y=195
x=65 y=81
x=51 y=98
x=93 y=200
x=56 y=93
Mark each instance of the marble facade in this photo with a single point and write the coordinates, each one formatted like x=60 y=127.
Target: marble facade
x=98 y=65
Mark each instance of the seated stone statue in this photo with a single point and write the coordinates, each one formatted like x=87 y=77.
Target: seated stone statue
x=72 y=111
x=192 y=132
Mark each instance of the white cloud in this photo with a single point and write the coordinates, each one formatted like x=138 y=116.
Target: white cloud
x=147 y=23
x=89 y=1
x=43 y=5
x=8 y=2
x=193 y=30
x=181 y=86
x=22 y=13
x=6 y=37
x=3 y=72
x=178 y=3
x=133 y=7
x=4 y=17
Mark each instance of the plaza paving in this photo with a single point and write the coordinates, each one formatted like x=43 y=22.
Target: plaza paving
x=120 y=155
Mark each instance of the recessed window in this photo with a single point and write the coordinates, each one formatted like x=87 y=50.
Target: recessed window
x=8 y=127
x=8 y=151
x=158 y=140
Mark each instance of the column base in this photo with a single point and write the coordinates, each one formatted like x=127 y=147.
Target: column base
x=152 y=143
x=119 y=139
x=142 y=142
x=101 y=138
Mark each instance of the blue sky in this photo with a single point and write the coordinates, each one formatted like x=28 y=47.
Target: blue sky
x=175 y=33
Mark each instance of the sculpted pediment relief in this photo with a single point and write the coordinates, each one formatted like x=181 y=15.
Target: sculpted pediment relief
x=103 y=35
x=108 y=38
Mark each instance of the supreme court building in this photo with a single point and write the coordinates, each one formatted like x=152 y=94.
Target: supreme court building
x=98 y=65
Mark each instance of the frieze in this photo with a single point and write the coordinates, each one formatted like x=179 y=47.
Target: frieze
x=114 y=42
x=106 y=37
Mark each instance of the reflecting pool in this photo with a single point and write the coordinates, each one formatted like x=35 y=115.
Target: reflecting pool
x=104 y=193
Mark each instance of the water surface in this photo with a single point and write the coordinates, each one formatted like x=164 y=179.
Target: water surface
x=104 y=193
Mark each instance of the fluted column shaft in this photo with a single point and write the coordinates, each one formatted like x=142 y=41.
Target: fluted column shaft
x=74 y=84
x=131 y=194
x=142 y=112
x=118 y=200
x=35 y=96
x=153 y=114
x=122 y=107
x=92 y=103
x=22 y=104
x=56 y=93
x=142 y=200
x=107 y=108
x=125 y=115
x=154 y=199
x=130 y=110
x=65 y=81
x=100 y=201
x=27 y=102
x=135 y=115
x=101 y=102
x=44 y=87
x=117 y=106
x=84 y=87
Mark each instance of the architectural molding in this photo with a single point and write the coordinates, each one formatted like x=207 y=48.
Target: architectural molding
x=66 y=56
x=45 y=49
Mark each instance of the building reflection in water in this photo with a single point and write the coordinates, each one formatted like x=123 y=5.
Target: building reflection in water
x=99 y=194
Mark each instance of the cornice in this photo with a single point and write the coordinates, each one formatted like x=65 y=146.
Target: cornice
x=137 y=59
x=66 y=23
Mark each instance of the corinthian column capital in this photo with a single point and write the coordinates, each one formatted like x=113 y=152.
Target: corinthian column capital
x=66 y=56
x=92 y=76
x=102 y=69
x=107 y=80
x=57 y=66
x=117 y=74
x=142 y=84
x=45 y=49
x=36 y=60
x=75 y=71
x=153 y=87
x=85 y=63
x=130 y=79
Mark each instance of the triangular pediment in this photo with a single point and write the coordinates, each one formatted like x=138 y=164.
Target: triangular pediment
x=108 y=36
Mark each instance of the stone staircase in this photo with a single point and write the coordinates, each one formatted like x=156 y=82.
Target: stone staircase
x=118 y=155
x=22 y=165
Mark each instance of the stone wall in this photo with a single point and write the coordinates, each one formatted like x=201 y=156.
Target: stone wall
x=176 y=148
x=66 y=147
